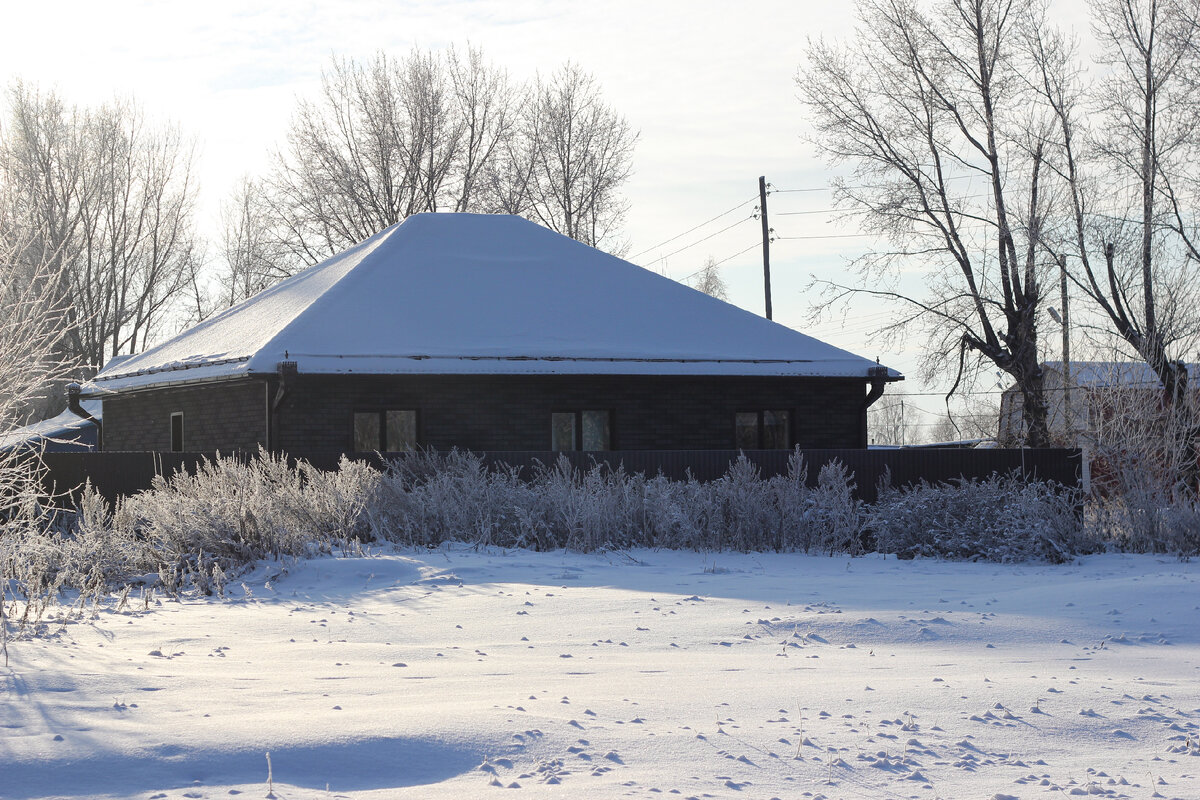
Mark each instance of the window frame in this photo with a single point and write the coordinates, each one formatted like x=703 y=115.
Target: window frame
x=177 y=415
x=577 y=428
x=760 y=427
x=381 y=419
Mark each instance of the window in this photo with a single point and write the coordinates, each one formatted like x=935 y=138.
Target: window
x=393 y=431
x=177 y=432
x=562 y=431
x=595 y=430
x=581 y=430
x=763 y=430
x=400 y=431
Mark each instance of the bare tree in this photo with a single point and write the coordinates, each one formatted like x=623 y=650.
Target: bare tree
x=252 y=255
x=975 y=420
x=886 y=421
x=709 y=280
x=931 y=110
x=106 y=200
x=579 y=152
x=1124 y=147
x=387 y=139
x=447 y=132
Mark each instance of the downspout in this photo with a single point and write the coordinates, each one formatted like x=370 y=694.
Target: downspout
x=74 y=390
x=878 y=377
x=287 y=370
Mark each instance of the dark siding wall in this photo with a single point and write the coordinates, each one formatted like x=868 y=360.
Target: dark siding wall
x=223 y=416
x=512 y=412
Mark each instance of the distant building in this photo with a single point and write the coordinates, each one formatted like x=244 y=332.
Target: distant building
x=1080 y=409
x=485 y=332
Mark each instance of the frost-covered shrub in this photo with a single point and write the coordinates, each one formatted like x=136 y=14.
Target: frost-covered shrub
x=678 y=515
x=429 y=498
x=1147 y=522
x=197 y=532
x=837 y=515
x=999 y=519
x=744 y=508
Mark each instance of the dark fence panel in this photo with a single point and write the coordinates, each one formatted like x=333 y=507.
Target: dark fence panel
x=119 y=474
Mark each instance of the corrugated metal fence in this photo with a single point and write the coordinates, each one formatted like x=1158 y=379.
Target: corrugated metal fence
x=118 y=474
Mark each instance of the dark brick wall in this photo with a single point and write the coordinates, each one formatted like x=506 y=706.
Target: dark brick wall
x=225 y=416
x=512 y=412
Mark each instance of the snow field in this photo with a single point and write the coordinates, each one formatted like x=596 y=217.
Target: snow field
x=463 y=673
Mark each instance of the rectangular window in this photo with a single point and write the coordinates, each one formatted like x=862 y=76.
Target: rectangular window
x=177 y=432
x=581 y=430
x=776 y=432
x=763 y=430
x=562 y=431
x=393 y=431
x=745 y=425
x=596 y=430
x=367 y=437
x=400 y=435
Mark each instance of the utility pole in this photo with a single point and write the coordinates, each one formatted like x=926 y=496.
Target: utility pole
x=762 y=206
x=1066 y=348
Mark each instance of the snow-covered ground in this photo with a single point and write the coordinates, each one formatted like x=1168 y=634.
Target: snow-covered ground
x=455 y=673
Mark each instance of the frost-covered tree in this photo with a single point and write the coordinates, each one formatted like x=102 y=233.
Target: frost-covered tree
x=387 y=138
x=709 y=280
x=104 y=198
x=579 y=151
x=446 y=131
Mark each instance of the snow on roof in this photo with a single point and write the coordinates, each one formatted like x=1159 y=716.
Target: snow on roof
x=472 y=293
x=67 y=431
x=1112 y=373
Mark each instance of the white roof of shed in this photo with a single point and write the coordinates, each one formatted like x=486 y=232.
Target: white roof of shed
x=471 y=293
x=62 y=432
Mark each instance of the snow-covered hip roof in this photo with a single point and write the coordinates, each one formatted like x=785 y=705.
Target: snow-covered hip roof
x=474 y=293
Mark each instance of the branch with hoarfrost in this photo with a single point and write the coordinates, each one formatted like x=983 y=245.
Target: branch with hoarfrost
x=32 y=325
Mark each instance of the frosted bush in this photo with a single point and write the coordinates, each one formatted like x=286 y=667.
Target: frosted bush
x=999 y=519
x=1143 y=521
x=836 y=514
x=198 y=532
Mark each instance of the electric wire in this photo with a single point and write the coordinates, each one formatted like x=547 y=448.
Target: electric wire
x=694 y=228
x=698 y=241
x=722 y=261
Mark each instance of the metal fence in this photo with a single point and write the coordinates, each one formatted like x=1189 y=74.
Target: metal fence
x=119 y=474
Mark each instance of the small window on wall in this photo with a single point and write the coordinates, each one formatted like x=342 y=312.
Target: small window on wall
x=393 y=431
x=177 y=432
x=581 y=430
x=763 y=430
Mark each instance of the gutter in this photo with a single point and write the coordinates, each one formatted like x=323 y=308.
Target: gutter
x=287 y=372
x=73 y=393
x=878 y=376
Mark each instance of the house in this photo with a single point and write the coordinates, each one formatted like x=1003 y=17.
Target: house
x=485 y=332
x=1085 y=399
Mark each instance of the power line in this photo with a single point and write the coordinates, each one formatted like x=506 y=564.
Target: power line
x=722 y=261
x=866 y=211
x=828 y=236
x=699 y=241
x=697 y=227
x=868 y=186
